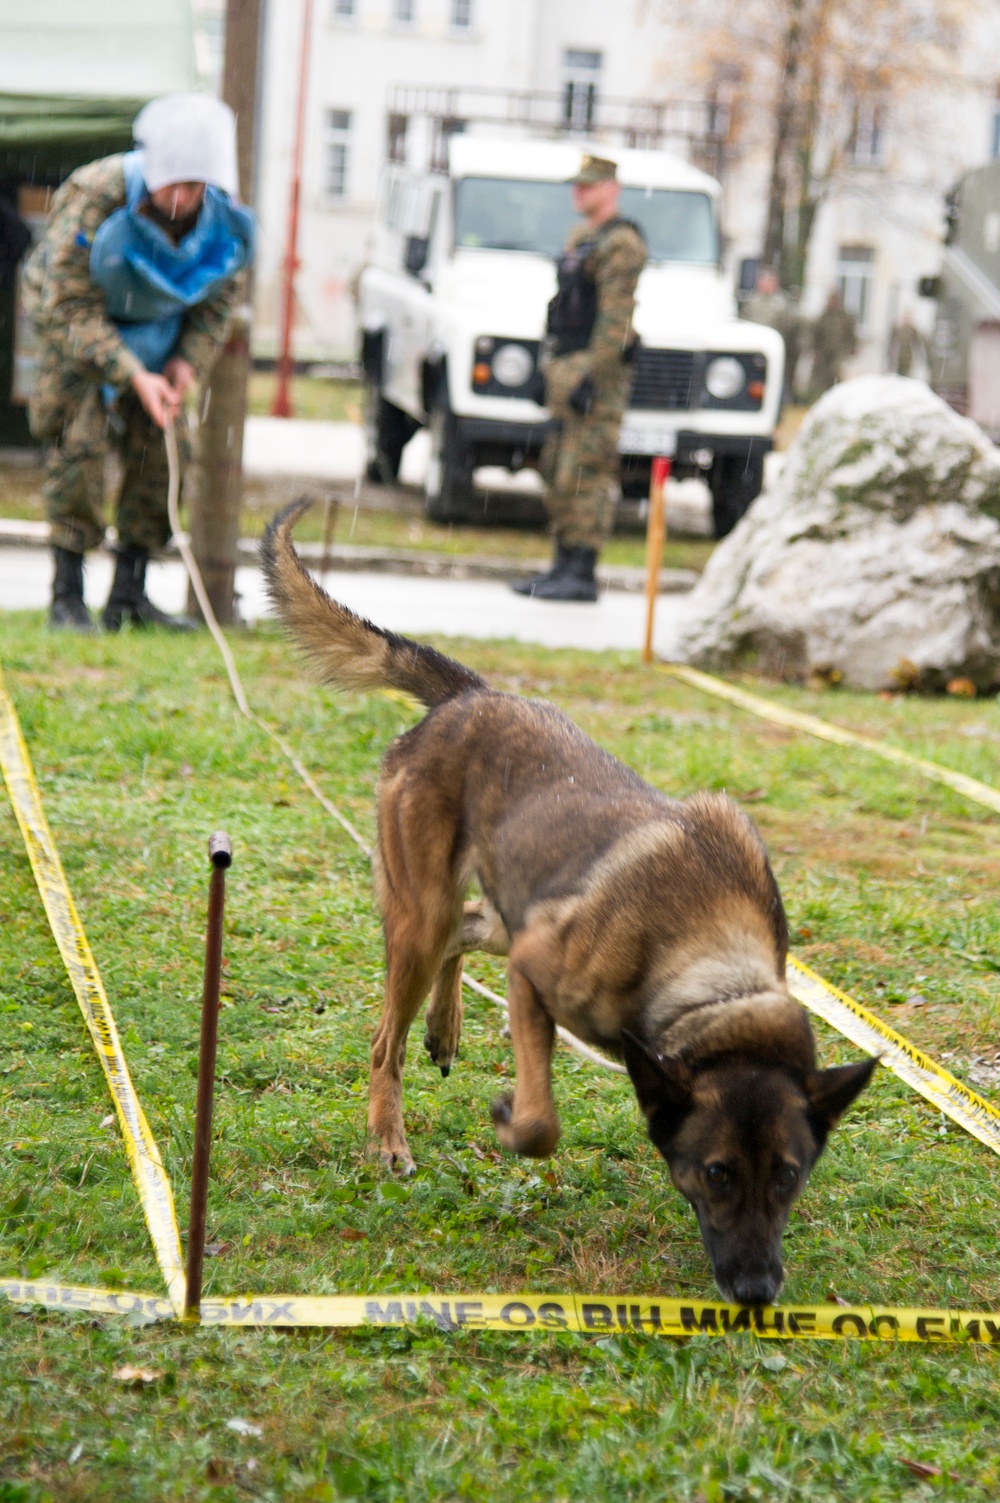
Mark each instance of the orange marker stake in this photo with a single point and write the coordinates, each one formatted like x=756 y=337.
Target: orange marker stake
x=656 y=536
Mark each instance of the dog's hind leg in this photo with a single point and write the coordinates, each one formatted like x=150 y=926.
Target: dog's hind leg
x=481 y=928
x=409 y=973
x=527 y=1123
x=420 y=897
x=444 y=1014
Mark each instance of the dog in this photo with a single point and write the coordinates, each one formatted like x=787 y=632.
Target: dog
x=649 y=927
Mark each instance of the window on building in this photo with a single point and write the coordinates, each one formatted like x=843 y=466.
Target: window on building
x=581 y=74
x=866 y=141
x=336 y=152
x=404 y=12
x=995 y=128
x=856 y=280
x=345 y=10
x=461 y=15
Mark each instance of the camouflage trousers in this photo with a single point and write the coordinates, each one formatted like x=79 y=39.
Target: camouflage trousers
x=66 y=413
x=579 y=461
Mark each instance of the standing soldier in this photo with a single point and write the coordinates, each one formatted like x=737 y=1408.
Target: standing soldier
x=834 y=340
x=588 y=378
x=131 y=290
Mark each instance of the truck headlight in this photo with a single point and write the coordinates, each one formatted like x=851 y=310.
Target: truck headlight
x=725 y=378
x=512 y=365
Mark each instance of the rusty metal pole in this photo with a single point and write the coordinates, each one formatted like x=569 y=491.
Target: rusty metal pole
x=220 y=852
x=656 y=531
x=216 y=503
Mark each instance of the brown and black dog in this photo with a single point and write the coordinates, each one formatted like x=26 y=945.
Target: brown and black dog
x=648 y=927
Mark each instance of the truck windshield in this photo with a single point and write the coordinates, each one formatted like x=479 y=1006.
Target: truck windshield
x=496 y=213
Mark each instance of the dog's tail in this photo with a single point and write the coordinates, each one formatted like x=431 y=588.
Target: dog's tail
x=348 y=650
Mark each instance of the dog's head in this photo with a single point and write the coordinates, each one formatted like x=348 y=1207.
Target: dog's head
x=740 y=1139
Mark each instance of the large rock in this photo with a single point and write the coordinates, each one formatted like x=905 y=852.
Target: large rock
x=876 y=556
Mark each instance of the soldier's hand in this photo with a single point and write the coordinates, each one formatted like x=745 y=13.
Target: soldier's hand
x=581 y=398
x=157 y=396
x=181 y=375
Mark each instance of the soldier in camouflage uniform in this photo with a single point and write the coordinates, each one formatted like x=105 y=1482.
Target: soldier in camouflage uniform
x=93 y=387
x=588 y=379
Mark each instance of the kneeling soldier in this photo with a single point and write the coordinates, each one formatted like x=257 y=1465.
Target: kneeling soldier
x=588 y=380
x=131 y=290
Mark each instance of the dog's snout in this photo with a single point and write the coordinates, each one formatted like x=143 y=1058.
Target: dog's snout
x=751 y=1286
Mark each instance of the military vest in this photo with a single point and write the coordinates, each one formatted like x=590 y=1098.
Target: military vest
x=572 y=313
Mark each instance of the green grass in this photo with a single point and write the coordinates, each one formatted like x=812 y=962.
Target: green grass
x=890 y=884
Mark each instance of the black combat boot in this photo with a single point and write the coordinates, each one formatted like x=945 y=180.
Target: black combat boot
x=560 y=561
x=570 y=578
x=128 y=600
x=68 y=609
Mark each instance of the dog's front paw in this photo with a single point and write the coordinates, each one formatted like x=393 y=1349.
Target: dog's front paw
x=533 y=1138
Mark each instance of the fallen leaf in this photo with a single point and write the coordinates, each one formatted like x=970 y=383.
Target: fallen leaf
x=835 y=1299
x=217 y=1249
x=243 y=1427
x=775 y=1364
x=108 y=1120
x=928 y=1469
x=137 y=1374
x=351 y=1234
x=217 y=1471
x=963 y=688
x=916 y=999
x=753 y=796
x=474 y=1148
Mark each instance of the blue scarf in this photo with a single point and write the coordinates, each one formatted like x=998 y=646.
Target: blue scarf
x=149 y=283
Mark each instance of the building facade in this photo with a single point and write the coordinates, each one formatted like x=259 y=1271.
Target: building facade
x=374 y=65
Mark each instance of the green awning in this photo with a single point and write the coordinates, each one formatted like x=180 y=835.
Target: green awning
x=75 y=70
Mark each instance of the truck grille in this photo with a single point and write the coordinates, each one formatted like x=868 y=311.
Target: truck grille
x=664 y=379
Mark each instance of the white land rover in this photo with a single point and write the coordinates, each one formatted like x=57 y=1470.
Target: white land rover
x=453 y=305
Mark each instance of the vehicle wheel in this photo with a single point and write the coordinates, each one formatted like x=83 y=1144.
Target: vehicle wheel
x=386 y=432
x=448 y=495
x=734 y=483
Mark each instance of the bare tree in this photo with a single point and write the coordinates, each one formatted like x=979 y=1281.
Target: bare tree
x=814 y=82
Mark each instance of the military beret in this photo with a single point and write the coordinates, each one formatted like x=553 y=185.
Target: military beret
x=595 y=170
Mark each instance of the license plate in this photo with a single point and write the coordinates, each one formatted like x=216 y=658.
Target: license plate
x=647 y=441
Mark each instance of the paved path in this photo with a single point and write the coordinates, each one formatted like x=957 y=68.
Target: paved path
x=415 y=606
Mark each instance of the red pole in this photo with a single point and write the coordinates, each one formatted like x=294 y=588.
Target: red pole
x=282 y=406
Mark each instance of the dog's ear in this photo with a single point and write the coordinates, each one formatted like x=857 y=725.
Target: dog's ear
x=663 y=1086
x=831 y=1092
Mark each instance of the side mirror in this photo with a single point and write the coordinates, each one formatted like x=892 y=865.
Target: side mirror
x=415 y=256
x=929 y=287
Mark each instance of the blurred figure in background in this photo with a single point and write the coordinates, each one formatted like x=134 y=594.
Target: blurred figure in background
x=131 y=290
x=907 y=347
x=769 y=304
x=834 y=340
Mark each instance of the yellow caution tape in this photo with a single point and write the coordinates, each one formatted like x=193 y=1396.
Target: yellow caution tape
x=600 y=1314
x=971 y=788
x=54 y=1296
x=978 y=1116
x=144 y=1156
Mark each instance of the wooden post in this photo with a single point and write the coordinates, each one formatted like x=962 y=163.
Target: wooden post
x=220 y=851
x=216 y=503
x=656 y=534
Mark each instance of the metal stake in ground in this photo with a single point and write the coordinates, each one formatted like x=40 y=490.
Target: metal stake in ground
x=220 y=852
